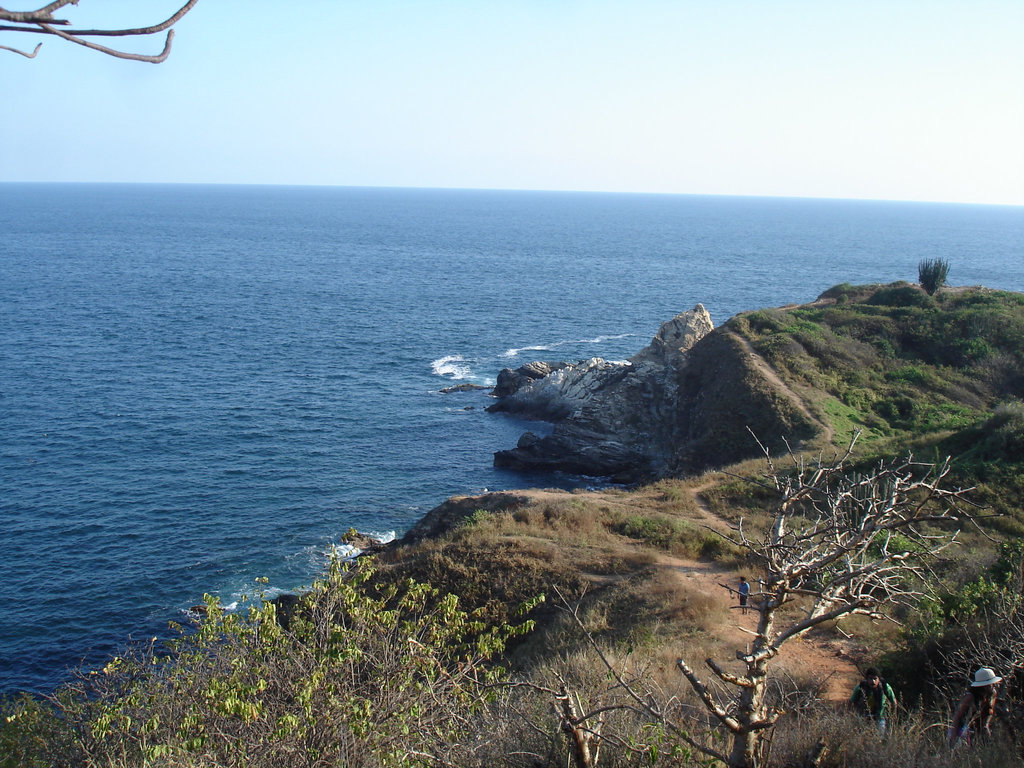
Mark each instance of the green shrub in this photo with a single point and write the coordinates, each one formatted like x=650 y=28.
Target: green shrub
x=31 y=734
x=904 y=295
x=911 y=374
x=847 y=293
x=973 y=350
x=1004 y=432
x=1007 y=567
x=931 y=273
x=477 y=517
x=897 y=410
x=394 y=672
x=658 y=531
x=839 y=292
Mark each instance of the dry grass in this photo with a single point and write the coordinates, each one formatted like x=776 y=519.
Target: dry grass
x=873 y=634
x=641 y=567
x=605 y=550
x=851 y=742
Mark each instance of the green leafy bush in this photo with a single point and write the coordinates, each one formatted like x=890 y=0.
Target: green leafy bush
x=912 y=374
x=394 y=673
x=904 y=295
x=659 y=531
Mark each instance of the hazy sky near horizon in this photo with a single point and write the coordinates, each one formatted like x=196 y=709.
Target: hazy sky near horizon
x=908 y=100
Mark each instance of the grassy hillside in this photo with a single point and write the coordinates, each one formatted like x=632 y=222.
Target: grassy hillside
x=939 y=375
x=895 y=362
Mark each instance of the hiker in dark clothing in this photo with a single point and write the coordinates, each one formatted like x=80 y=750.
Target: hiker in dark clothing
x=872 y=698
x=744 y=592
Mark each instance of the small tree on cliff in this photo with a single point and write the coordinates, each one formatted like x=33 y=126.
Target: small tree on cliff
x=838 y=543
x=931 y=273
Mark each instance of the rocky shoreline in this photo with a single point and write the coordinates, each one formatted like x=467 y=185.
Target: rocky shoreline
x=684 y=403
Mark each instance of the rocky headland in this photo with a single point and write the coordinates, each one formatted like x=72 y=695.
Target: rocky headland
x=687 y=401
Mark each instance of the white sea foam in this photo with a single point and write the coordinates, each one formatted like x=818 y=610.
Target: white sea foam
x=515 y=351
x=259 y=593
x=343 y=551
x=347 y=552
x=319 y=558
x=600 y=339
x=454 y=366
x=272 y=593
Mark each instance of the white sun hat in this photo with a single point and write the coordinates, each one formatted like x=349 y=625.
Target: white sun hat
x=985 y=676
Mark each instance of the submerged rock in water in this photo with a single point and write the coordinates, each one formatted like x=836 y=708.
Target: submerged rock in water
x=462 y=388
x=362 y=542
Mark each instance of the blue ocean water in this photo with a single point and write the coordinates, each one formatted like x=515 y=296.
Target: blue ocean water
x=201 y=385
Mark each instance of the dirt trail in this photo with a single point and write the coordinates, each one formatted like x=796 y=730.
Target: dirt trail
x=828 y=661
x=704 y=515
x=825 y=660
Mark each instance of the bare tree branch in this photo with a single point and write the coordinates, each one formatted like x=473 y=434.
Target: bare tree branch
x=162 y=56
x=708 y=698
x=729 y=677
x=41 y=22
x=23 y=53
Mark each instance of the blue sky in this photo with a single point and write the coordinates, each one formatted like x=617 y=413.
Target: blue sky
x=898 y=100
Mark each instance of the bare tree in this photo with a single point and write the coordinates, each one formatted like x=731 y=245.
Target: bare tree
x=839 y=543
x=41 y=21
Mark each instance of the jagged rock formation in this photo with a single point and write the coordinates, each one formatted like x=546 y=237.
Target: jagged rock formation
x=509 y=381
x=681 y=404
x=363 y=542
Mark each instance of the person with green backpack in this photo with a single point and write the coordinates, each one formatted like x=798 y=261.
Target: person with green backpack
x=873 y=698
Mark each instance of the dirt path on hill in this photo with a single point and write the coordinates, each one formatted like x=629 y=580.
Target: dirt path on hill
x=818 y=657
x=825 y=660
x=762 y=367
x=704 y=514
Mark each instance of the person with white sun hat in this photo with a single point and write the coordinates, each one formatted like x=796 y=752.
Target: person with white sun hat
x=976 y=708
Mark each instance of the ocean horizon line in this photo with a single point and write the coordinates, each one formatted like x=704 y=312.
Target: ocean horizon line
x=515 y=190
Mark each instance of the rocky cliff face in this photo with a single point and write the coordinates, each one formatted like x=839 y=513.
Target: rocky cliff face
x=681 y=404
